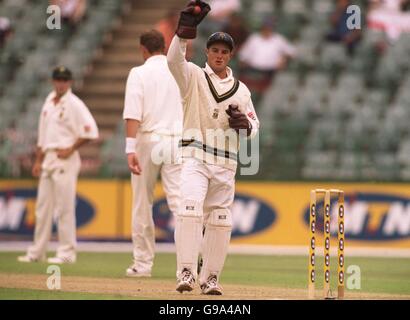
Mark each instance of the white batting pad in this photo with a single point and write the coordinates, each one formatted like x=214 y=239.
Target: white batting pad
x=215 y=243
x=188 y=235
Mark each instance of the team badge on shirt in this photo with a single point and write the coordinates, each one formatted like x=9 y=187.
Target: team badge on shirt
x=215 y=114
x=61 y=114
x=252 y=115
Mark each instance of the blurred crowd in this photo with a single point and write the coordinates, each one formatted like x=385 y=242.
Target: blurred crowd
x=5 y=30
x=262 y=53
x=72 y=11
x=262 y=50
x=389 y=16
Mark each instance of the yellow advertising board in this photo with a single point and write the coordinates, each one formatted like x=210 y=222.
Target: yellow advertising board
x=263 y=213
x=98 y=209
x=376 y=214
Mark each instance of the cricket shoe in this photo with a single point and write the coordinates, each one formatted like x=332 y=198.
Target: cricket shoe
x=133 y=272
x=61 y=260
x=29 y=259
x=186 y=281
x=211 y=286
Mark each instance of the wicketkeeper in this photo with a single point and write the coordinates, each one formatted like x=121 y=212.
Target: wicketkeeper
x=217 y=109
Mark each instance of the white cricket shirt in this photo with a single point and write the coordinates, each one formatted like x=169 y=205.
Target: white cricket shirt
x=265 y=53
x=152 y=97
x=62 y=124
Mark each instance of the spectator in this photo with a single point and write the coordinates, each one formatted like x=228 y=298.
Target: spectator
x=167 y=27
x=5 y=30
x=263 y=54
x=387 y=16
x=72 y=11
x=221 y=10
x=388 y=5
x=340 y=30
x=237 y=28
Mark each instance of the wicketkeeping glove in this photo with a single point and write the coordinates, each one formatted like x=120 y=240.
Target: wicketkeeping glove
x=188 y=20
x=237 y=120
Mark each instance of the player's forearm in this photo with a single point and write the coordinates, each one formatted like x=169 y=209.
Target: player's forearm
x=131 y=130
x=253 y=119
x=39 y=155
x=254 y=131
x=80 y=142
x=177 y=63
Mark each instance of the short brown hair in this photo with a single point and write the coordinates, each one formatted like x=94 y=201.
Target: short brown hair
x=153 y=40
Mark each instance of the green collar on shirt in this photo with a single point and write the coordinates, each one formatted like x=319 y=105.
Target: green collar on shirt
x=219 y=98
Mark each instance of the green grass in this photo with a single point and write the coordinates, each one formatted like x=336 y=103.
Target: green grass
x=26 y=294
x=378 y=275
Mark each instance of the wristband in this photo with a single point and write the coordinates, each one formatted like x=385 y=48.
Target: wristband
x=130 y=145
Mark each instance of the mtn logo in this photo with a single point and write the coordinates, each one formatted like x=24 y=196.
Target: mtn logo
x=369 y=216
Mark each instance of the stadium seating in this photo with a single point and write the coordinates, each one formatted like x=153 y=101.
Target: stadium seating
x=328 y=116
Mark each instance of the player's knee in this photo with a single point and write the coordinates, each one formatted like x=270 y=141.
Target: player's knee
x=220 y=218
x=190 y=208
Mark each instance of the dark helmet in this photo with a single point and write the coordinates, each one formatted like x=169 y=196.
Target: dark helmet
x=62 y=73
x=221 y=37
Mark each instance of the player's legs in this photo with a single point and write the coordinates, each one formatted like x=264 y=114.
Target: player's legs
x=65 y=183
x=171 y=178
x=44 y=219
x=143 y=230
x=188 y=231
x=218 y=227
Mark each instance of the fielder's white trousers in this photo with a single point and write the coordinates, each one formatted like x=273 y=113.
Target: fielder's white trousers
x=156 y=155
x=56 y=199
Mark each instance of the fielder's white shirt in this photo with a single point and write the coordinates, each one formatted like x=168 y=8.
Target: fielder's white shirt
x=265 y=53
x=62 y=124
x=152 y=97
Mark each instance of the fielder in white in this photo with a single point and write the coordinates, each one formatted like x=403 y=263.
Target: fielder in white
x=65 y=125
x=217 y=108
x=153 y=115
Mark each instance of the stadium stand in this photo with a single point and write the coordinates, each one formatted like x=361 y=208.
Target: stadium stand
x=327 y=116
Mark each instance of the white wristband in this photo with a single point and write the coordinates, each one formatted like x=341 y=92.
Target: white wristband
x=130 y=145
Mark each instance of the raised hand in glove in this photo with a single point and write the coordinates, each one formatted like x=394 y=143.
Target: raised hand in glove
x=237 y=120
x=191 y=17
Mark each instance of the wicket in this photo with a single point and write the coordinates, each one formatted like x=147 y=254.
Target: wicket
x=340 y=238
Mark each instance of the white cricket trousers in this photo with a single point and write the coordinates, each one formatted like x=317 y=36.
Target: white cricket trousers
x=56 y=198
x=207 y=192
x=156 y=155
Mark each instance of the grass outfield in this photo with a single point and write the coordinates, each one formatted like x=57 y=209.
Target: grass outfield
x=89 y=278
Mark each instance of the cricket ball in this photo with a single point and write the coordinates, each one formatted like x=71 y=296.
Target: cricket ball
x=197 y=10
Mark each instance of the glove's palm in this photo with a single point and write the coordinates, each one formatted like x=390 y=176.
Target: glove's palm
x=237 y=120
x=188 y=21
